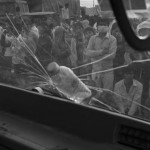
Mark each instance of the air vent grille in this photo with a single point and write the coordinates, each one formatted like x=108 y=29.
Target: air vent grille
x=134 y=137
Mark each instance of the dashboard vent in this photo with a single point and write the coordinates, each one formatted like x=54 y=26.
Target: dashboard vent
x=134 y=137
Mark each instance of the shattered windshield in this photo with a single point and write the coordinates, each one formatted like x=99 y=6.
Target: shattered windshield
x=75 y=50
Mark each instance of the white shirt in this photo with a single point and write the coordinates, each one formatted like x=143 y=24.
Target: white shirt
x=109 y=44
x=124 y=100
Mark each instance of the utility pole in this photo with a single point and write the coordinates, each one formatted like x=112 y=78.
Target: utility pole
x=93 y=4
x=93 y=7
x=130 y=5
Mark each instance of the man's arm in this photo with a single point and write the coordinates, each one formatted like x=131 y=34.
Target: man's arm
x=112 y=49
x=136 y=99
x=90 y=52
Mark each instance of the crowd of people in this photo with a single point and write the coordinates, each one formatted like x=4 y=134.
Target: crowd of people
x=98 y=55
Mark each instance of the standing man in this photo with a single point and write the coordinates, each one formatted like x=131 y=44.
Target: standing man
x=101 y=45
x=77 y=47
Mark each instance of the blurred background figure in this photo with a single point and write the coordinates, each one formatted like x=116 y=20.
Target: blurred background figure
x=77 y=46
x=61 y=50
x=143 y=31
x=44 y=46
x=119 y=57
x=129 y=93
x=85 y=24
x=88 y=33
x=101 y=45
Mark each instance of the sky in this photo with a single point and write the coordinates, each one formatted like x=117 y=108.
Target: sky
x=88 y=3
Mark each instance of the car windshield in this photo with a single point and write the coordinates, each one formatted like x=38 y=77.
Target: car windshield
x=101 y=69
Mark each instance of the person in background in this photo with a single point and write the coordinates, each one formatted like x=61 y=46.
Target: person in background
x=146 y=79
x=128 y=93
x=61 y=50
x=132 y=55
x=77 y=46
x=145 y=112
x=1 y=32
x=23 y=49
x=119 y=58
x=88 y=33
x=65 y=13
x=44 y=46
x=101 y=45
x=141 y=69
x=85 y=24
x=143 y=31
x=4 y=42
x=50 y=24
x=18 y=23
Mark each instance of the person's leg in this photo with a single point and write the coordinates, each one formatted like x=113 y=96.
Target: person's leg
x=97 y=79
x=97 y=76
x=108 y=80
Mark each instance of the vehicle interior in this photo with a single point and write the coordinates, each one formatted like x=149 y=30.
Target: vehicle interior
x=34 y=115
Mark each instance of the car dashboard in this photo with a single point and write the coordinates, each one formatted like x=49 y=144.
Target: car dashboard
x=65 y=125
